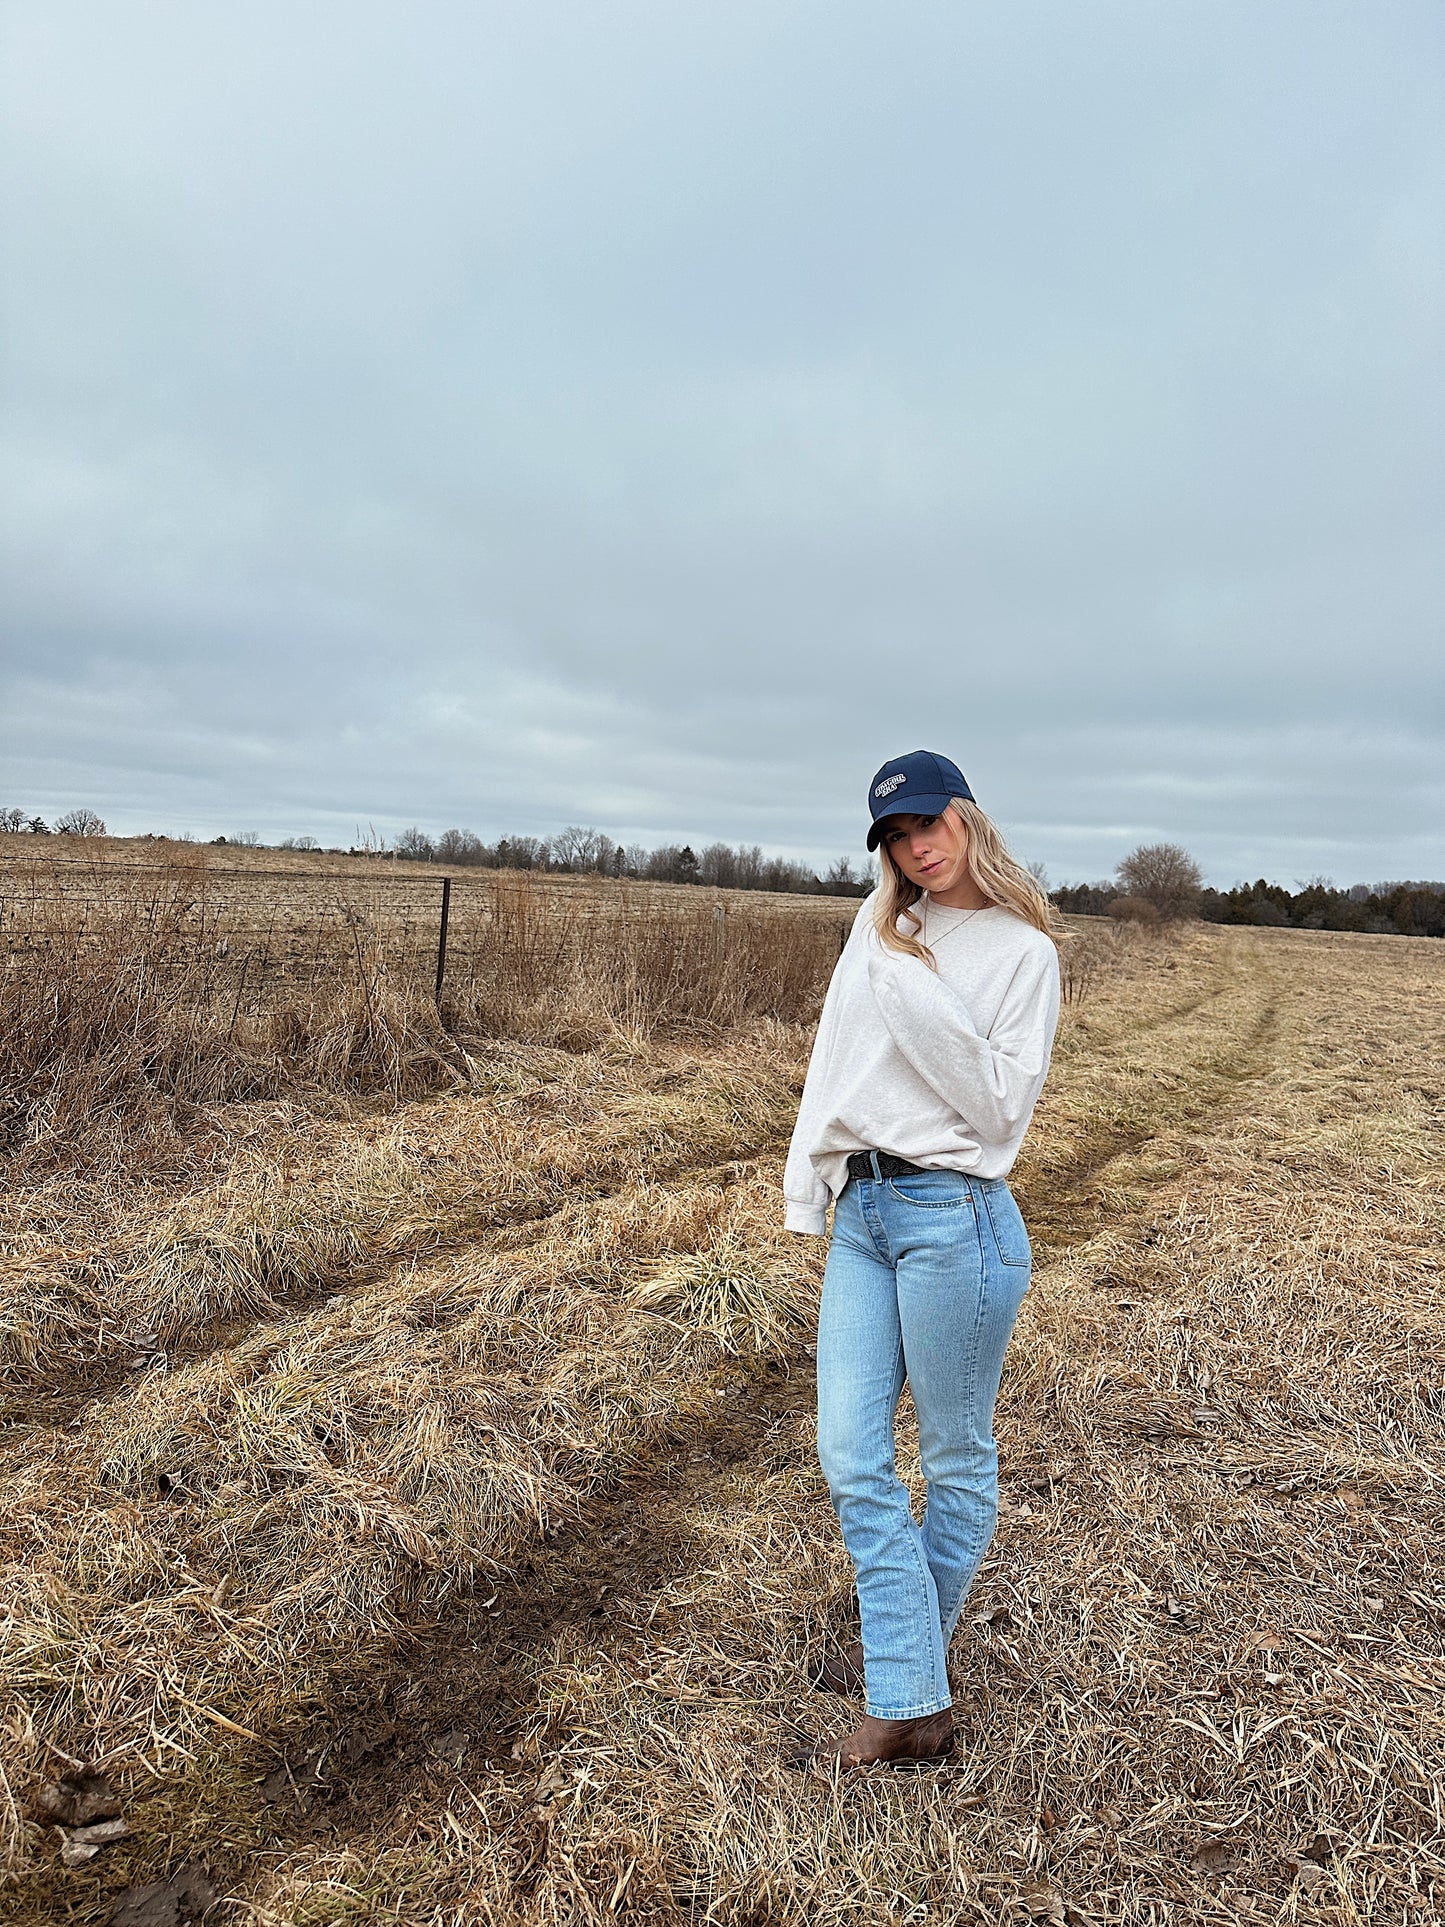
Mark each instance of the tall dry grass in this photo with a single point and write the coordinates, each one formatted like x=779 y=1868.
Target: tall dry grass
x=127 y=1010
x=349 y=1381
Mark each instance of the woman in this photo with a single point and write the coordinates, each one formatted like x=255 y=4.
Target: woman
x=930 y=1055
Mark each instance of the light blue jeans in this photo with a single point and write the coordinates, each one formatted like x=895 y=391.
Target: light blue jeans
x=924 y=1280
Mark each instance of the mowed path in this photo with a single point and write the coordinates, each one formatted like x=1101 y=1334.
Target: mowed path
x=1200 y=1672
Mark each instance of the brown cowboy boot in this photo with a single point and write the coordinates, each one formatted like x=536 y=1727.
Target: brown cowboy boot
x=894 y=1743
x=841 y=1672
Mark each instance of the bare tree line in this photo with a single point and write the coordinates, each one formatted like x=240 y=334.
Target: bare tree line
x=577 y=850
x=81 y=822
x=581 y=850
x=1154 y=883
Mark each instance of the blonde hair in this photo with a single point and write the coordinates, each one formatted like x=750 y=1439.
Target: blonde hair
x=1001 y=877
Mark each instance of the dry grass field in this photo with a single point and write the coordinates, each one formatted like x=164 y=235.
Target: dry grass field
x=410 y=1506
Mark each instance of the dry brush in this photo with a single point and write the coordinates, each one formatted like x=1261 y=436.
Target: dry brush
x=293 y=1420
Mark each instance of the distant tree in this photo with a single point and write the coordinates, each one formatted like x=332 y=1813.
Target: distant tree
x=1133 y=910
x=1039 y=873
x=670 y=863
x=414 y=845
x=576 y=848
x=718 y=865
x=750 y=865
x=780 y=874
x=604 y=857
x=298 y=843
x=248 y=839
x=12 y=819
x=459 y=846
x=841 y=881
x=1085 y=899
x=80 y=822
x=1164 y=875
x=37 y=826
x=521 y=853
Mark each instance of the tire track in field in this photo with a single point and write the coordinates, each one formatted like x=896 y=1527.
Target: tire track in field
x=1061 y=1194
x=1054 y=1201
x=55 y=1407
x=42 y=1403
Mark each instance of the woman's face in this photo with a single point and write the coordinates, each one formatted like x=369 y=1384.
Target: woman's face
x=931 y=851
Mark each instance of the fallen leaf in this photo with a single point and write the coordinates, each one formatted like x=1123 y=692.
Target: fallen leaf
x=78 y=1800
x=1215 y=1856
x=100 y=1834
x=1047 y=1905
x=551 y=1782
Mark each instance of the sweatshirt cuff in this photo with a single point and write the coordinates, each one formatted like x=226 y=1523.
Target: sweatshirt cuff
x=810 y=1220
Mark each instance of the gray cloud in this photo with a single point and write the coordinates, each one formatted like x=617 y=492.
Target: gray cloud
x=658 y=416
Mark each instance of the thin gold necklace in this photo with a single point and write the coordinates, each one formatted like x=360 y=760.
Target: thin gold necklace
x=953 y=926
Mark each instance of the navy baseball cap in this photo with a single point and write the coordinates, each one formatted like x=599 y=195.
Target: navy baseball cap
x=918 y=784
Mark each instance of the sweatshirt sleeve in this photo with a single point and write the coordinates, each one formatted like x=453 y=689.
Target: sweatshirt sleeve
x=805 y=1195
x=993 y=1082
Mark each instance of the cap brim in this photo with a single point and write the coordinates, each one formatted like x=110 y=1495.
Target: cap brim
x=917 y=806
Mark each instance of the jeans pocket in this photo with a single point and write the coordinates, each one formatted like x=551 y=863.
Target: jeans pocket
x=1006 y=1222
x=929 y=1195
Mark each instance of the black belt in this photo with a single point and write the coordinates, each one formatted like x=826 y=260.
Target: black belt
x=860 y=1165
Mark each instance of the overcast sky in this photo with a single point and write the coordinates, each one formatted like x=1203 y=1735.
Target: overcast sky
x=655 y=415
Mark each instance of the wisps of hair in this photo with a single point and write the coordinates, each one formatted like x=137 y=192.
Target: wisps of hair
x=1001 y=877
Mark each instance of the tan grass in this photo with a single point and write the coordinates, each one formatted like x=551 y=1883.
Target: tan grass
x=135 y=999
x=316 y=1204
x=333 y=1472
x=1209 y=1630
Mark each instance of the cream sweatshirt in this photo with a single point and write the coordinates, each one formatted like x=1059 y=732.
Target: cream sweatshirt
x=943 y=1068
